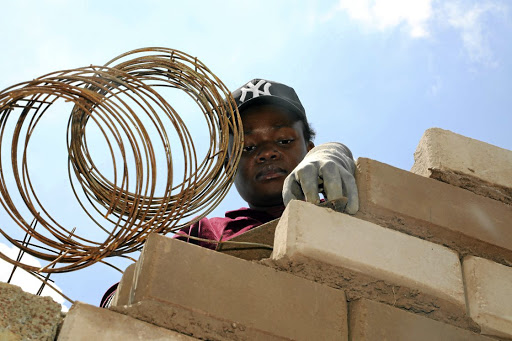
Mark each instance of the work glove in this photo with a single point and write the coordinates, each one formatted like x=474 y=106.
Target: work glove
x=327 y=168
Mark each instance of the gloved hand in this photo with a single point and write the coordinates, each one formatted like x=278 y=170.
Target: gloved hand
x=330 y=164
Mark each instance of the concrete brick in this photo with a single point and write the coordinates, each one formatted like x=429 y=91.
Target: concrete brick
x=323 y=245
x=86 y=322
x=435 y=211
x=211 y=295
x=24 y=316
x=264 y=235
x=489 y=295
x=464 y=162
x=373 y=321
x=246 y=245
x=122 y=295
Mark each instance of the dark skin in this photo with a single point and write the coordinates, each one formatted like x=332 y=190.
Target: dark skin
x=274 y=145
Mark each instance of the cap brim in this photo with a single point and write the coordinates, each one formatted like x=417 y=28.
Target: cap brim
x=272 y=100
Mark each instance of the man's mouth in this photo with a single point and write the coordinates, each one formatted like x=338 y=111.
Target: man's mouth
x=270 y=172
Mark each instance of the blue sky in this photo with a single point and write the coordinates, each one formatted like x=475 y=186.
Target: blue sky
x=371 y=74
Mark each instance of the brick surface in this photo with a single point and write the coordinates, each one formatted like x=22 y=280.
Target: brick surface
x=373 y=321
x=464 y=162
x=264 y=235
x=254 y=244
x=24 y=316
x=86 y=322
x=435 y=211
x=390 y=266
x=122 y=295
x=211 y=295
x=489 y=295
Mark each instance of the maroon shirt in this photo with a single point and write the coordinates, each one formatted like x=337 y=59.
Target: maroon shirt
x=233 y=224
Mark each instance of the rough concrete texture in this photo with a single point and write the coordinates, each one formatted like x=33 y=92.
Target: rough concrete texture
x=254 y=244
x=464 y=162
x=489 y=295
x=196 y=323
x=245 y=246
x=122 y=295
x=373 y=321
x=211 y=295
x=24 y=316
x=435 y=211
x=341 y=240
x=367 y=260
x=475 y=185
x=86 y=322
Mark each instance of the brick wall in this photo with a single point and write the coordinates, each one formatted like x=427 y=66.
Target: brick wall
x=427 y=257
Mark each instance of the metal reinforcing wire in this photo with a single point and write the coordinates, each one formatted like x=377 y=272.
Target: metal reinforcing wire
x=123 y=99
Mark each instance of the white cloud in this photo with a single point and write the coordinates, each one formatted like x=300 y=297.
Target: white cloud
x=469 y=20
x=423 y=18
x=23 y=279
x=388 y=14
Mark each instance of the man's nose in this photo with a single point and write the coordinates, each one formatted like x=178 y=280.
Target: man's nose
x=268 y=152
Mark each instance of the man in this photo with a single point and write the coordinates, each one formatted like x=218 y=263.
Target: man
x=279 y=163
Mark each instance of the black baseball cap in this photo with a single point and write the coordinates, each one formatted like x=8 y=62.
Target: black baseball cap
x=262 y=91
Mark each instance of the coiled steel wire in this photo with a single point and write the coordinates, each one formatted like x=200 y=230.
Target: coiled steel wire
x=124 y=100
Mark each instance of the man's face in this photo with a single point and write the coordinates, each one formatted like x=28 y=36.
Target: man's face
x=274 y=145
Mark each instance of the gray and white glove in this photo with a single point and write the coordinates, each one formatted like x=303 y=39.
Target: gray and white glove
x=330 y=164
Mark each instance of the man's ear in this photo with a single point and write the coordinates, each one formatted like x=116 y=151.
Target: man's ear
x=311 y=145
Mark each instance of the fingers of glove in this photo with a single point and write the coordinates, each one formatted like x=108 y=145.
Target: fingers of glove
x=308 y=179
x=333 y=182
x=291 y=190
x=349 y=182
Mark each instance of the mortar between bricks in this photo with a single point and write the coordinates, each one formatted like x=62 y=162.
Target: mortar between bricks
x=434 y=211
x=222 y=290
x=367 y=260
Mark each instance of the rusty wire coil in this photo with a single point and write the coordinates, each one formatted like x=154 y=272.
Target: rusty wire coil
x=123 y=100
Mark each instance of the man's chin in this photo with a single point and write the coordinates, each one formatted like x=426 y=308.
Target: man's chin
x=269 y=201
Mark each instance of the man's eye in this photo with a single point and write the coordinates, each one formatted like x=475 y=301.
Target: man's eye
x=249 y=148
x=285 y=141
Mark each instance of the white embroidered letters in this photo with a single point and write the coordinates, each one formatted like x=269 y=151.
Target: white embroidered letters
x=255 y=89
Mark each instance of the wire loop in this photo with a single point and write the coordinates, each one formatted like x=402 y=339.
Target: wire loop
x=126 y=101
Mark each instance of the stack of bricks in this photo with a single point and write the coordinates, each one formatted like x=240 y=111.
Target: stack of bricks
x=427 y=257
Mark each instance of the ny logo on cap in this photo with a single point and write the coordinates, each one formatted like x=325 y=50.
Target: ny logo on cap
x=255 y=89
